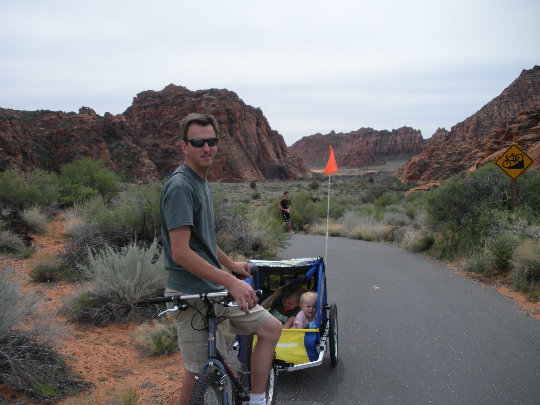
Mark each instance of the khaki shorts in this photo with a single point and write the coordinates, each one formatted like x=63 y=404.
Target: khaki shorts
x=193 y=331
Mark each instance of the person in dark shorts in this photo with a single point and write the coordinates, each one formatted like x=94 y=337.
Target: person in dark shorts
x=285 y=207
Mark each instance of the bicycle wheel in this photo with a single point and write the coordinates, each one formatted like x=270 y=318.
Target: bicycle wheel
x=333 y=334
x=270 y=384
x=208 y=389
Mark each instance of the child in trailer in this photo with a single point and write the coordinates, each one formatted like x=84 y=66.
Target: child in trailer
x=307 y=317
x=287 y=306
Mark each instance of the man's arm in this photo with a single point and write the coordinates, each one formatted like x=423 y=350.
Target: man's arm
x=240 y=268
x=191 y=261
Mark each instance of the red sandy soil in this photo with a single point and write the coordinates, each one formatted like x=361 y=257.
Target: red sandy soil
x=106 y=357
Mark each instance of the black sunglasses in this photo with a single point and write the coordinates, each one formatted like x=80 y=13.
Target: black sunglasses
x=199 y=143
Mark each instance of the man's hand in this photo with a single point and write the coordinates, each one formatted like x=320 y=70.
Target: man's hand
x=240 y=268
x=243 y=294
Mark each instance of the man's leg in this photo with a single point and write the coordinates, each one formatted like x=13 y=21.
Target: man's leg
x=187 y=387
x=263 y=353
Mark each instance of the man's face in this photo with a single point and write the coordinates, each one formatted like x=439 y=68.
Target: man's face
x=199 y=158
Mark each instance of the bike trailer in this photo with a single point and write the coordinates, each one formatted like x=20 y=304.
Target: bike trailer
x=298 y=348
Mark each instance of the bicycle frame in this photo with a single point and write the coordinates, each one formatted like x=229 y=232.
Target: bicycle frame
x=215 y=358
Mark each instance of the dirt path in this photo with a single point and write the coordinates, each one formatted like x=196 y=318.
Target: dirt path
x=106 y=357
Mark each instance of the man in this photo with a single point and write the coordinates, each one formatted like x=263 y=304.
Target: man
x=194 y=262
x=285 y=207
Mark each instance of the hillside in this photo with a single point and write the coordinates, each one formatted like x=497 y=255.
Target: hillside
x=360 y=148
x=144 y=141
x=512 y=117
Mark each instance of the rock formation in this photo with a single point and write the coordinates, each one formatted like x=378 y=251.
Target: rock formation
x=510 y=118
x=144 y=141
x=358 y=148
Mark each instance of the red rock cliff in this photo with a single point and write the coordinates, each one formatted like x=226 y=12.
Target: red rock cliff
x=358 y=148
x=144 y=141
x=512 y=117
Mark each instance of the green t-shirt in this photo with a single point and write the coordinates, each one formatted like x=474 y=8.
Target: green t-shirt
x=186 y=200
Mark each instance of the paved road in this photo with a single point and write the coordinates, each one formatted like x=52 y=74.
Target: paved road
x=414 y=332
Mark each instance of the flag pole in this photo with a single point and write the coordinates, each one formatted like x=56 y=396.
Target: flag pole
x=327 y=218
x=331 y=167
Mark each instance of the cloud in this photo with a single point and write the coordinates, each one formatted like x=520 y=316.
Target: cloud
x=311 y=66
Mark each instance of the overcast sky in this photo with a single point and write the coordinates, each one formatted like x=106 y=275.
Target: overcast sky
x=311 y=66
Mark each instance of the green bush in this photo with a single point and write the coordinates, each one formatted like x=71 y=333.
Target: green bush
x=458 y=202
x=528 y=186
x=36 y=188
x=253 y=185
x=86 y=178
x=12 y=189
x=314 y=185
x=157 y=338
x=386 y=199
x=43 y=188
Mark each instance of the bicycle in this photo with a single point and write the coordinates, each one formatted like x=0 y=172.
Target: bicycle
x=217 y=382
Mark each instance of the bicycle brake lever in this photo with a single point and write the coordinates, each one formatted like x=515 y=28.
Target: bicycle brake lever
x=168 y=310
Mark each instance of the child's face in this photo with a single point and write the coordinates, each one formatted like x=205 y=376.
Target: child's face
x=309 y=306
x=290 y=303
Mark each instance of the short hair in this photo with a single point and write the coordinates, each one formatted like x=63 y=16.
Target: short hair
x=308 y=294
x=200 y=119
x=286 y=192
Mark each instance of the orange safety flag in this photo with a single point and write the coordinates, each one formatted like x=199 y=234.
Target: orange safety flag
x=331 y=166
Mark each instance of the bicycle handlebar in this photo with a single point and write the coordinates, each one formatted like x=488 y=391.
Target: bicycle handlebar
x=200 y=296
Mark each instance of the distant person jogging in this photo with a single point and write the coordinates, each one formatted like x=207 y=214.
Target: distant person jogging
x=194 y=262
x=285 y=207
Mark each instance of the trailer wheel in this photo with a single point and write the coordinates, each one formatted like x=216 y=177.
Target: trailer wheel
x=333 y=334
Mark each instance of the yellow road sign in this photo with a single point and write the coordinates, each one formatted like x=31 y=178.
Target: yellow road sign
x=514 y=161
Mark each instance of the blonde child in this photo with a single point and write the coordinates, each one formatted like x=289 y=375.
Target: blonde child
x=307 y=317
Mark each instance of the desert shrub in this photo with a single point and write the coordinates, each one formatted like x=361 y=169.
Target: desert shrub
x=479 y=262
x=121 y=280
x=253 y=184
x=252 y=235
x=35 y=219
x=501 y=247
x=50 y=271
x=362 y=227
x=314 y=185
x=156 y=338
x=526 y=262
x=416 y=240
x=15 y=305
x=36 y=369
x=9 y=242
x=90 y=237
x=87 y=178
x=256 y=195
x=132 y=215
x=396 y=219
